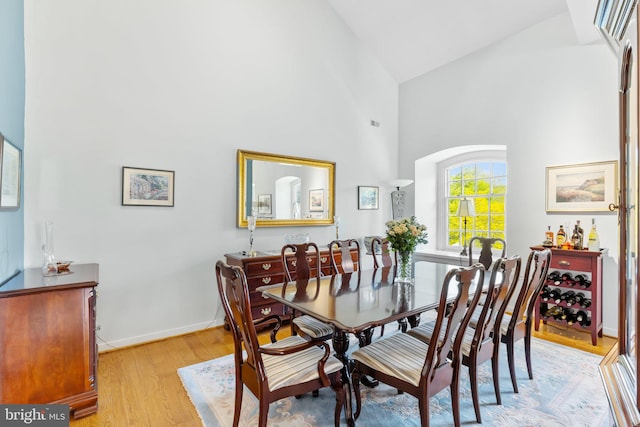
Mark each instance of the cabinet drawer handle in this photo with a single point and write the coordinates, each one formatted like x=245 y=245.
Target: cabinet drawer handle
x=266 y=266
x=266 y=280
x=564 y=263
x=265 y=297
x=293 y=263
x=323 y=259
x=266 y=311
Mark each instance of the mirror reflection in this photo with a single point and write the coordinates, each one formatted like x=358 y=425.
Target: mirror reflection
x=283 y=190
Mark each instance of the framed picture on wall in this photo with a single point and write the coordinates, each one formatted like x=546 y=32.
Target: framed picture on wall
x=10 y=164
x=264 y=204
x=368 y=197
x=316 y=200
x=582 y=187
x=147 y=187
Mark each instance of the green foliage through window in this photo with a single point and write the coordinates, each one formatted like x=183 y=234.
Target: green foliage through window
x=485 y=184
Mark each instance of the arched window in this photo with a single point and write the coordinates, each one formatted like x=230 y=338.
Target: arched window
x=481 y=178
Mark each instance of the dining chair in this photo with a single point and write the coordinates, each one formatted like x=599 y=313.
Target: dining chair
x=487 y=244
x=478 y=341
x=307 y=265
x=386 y=259
x=279 y=369
x=415 y=367
x=517 y=325
x=344 y=247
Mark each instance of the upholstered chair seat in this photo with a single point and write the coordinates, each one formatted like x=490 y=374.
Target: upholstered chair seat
x=284 y=371
x=312 y=327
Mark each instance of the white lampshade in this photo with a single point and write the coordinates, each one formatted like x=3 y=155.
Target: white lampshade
x=399 y=183
x=465 y=208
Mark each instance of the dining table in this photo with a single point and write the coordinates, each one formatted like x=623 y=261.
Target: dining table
x=355 y=303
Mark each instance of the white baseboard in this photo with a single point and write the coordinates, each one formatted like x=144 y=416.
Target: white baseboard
x=141 y=339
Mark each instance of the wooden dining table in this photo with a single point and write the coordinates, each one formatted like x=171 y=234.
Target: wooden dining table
x=355 y=303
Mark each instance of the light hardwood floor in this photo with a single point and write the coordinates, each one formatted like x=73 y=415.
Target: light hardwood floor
x=139 y=386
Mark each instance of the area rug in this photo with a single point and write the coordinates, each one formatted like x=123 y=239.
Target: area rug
x=566 y=391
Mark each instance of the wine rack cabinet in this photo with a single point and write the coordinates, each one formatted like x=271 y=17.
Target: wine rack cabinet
x=584 y=263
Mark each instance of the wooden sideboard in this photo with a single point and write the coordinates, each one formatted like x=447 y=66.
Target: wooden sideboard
x=266 y=269
x=47 y=335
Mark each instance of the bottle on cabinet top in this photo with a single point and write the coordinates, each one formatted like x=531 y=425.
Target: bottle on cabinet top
x=580 y=234
x=575 y=238
x=548 y=238
x=594 y=239
x=560 y=237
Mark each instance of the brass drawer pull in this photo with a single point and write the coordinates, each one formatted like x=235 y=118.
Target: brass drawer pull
x=323 y=259
x=266 y=280
x=564 y=263
x=293 y=263
x=266 y=266
x=266 y=311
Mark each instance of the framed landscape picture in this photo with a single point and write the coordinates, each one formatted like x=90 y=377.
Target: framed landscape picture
x=582 y=187
x=147 y=187
x=316 y=200
x=368 y=197
x=264 y=204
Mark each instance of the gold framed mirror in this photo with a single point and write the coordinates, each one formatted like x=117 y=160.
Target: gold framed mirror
x=284 y=190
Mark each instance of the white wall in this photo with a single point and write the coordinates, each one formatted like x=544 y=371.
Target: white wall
x=549 y=101
x=181 y=86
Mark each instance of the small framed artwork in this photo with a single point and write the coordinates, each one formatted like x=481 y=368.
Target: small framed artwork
x=10 y=162
x=581 y=188
x=368 y=197
x=147 y=187
x=316 y=200
x=264 y=204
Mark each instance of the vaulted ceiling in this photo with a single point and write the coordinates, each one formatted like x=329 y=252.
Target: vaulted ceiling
x=412 y=37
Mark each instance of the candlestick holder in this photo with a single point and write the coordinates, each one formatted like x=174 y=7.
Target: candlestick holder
x=336 y=221
x=251 y=225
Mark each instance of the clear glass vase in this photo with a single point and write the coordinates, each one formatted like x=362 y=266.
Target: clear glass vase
x=404 y=270
x=49 y=264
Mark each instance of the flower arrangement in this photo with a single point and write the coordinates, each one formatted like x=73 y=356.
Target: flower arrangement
x=405 y=234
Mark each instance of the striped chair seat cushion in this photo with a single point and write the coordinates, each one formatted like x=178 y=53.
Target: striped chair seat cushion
x=296 y=368
x=424 y=332
x=313 y=327
x=473 y=322
x=399 y=355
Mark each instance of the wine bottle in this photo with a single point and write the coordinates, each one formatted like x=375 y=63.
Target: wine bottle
x=544 y=293
x=569 y=298
x=594 y=239
x=555 y=277
x=586 y=303
x=582 y=281
x=561 y=237
x=567 y=279
x=571 y=317
x=548 y=238
x=553 y=294
x=582 y=318
x=558 y=296
x=579 y=298
x=575 y=238
x=580 y=235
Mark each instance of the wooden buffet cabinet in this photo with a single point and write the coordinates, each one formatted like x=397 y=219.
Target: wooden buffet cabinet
x=266 y=269
x=47 y=334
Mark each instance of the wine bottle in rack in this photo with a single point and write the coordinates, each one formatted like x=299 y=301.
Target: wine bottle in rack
x=544 y=293
x=580 y=298
x=586 y=303
x=569 y=298
x=583 y=318
x=582 y=281
x=555 y=277
x=557 y=296
x=567 y=279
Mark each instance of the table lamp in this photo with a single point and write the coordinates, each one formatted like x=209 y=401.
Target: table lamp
x=398 y=197
x=465 y=209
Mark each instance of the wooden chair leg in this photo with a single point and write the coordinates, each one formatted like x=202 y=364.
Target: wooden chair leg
x=455 y=396
x=264 y=412
x=512 y=364
x=527 y=354
x=340 y=392
x=495 y=363
x=423 y=405
x=355 y=380
x=237 y=406
x=473 y=376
